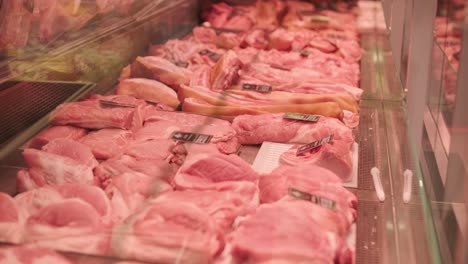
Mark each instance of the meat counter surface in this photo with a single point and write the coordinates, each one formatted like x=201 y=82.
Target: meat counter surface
x=129 y=176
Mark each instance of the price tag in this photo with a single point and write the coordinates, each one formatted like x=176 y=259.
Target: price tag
x=280 y=67
x=324 y=202
x=337 y=36
x=304 y=53
x=191 y=137
x=319 y=19
x=182 y=64
x=308 y=147
x=257 y=87
x=301 y=117
x=212 y=55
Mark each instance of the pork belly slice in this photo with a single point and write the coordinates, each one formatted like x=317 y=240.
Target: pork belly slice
x=255 y=129
x=10 y=220
x=335 y=156
x=69 y=225
x=108 y=142
x=92 y=114
x=285 y=232
x=160 y=69
x=149 y=90
x=30 y=254
x=214 y=171
x=166 y=231
x=56 y=132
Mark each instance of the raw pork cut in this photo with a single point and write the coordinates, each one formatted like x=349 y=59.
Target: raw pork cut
x=30 y=255
x=69 y=225
x=149 y=90
x=167 y=232
x=160 y=125
x=225 y=71
x=158 y=149
x=313 y=180
x=286 y=232
x=160 y=69
x=157 y=169
x=52 y=169
x=10 y=230
x=222 y=206
x=56 y=132
x=92 y=114
x=335 y=156
x=214 y=172
x=108 y=142
x=128 y=191
x=273 y=127
x=71 y=149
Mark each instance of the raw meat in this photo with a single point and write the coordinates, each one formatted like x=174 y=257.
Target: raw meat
x=128 y=191
x=30 y=255
x=149 y=90
x=56 y=132
x=160 y=125
x=286 y=233
x=28 y=180
x=70 y=225
x=160 y=69
x=167 y=232
x=252 y=129
x=73 y=150
x=313 y=180
x=225 y=71
x=198 y=106
x=108 y=142
x=92 y=114
x=15 y=25
x=214 y=172
x=156 y=169
x=222 y=206
x=235 y=97
x=335 y=156
x=54 y=169
x=10 y=230
x=160 y=149
x=224 y=16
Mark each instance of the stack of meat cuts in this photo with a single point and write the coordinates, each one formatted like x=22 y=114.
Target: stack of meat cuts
x=130 y=176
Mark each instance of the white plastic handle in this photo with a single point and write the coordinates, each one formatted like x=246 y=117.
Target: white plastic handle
x=407 y=190
x=378 y=184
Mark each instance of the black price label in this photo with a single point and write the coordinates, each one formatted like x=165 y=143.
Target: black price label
x=337 y=36
x=257 y=87
x=313 y=145
x=324 y=202
x=280 y=67
x=191 y=137
x=301 y=117
x=212 y=55
x=304 y=53
x=182 y=64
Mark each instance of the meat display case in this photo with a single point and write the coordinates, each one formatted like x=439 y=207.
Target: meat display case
x=412 y=112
